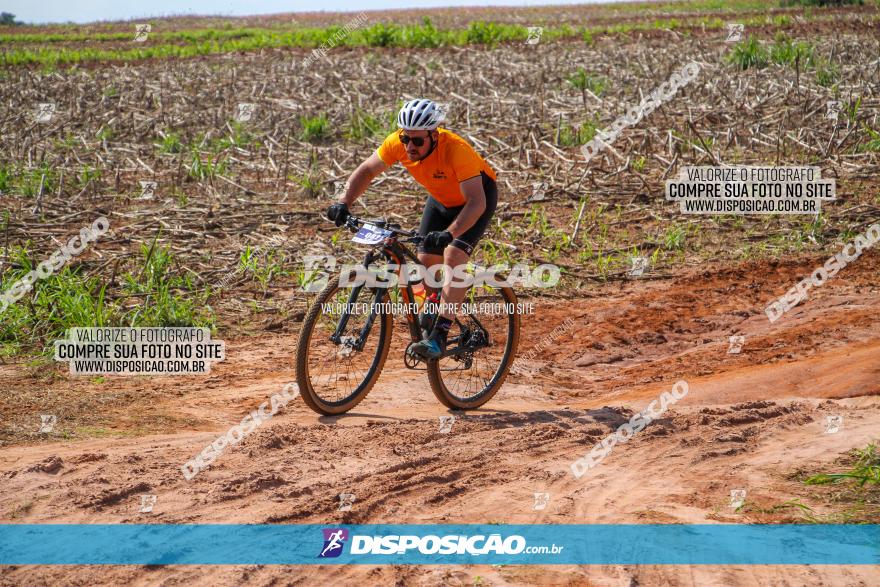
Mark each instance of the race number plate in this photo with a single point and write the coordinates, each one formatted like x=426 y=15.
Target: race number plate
x=370 y=234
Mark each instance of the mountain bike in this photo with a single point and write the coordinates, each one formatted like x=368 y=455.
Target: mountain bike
x=346 y=333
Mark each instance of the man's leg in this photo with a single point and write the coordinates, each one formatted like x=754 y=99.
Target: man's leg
x=452 y=295
x=459 y=252
x=453 y=292
x=433 y=218
x=456 y=254
x=429 y=260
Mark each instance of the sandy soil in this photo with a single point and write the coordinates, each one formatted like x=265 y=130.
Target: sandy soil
x=752 y=420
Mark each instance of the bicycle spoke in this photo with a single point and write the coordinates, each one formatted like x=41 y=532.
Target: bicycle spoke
x=465 y=383
x=337 y=370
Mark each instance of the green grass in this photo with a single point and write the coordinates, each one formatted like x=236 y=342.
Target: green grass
x=674 y=238
x=312 y=180
x=582 y=81
x=873 y=144
x=68 y=142
x=314 y=128
x=786 y=52
x=786 y=3
x=748 y=54
x=152 y=295
x=854 y=493
x=168 y=298
x=23 y=181
x=852 y=109
x=104 y=133
x=495 y=254
x=263 y=265
x=827 y=74
x=239 y=137
x=866 y=469
x=63 y=300
x=570 y=136
x=363 y=125
x=170 y=143
x=751 y=53
x=206 y=168
x=191 y=43
x=6 y=178
x=87 y=175
x=205 y=42
x=310 y=183
x=696 y=6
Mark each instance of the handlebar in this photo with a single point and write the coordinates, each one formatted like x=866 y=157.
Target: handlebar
x=353 y=223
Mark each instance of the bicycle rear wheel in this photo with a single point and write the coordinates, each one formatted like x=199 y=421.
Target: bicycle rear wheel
x=488 y=333
x=342 y=348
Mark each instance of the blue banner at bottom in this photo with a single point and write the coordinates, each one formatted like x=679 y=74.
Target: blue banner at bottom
x=668 y=544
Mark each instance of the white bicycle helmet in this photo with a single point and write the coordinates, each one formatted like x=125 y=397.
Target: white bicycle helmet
x=419 y=114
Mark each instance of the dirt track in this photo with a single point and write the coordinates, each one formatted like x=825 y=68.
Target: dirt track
x=753 y=421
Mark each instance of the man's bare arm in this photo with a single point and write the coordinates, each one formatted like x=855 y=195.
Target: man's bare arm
x=475 y=205
x=360 y=179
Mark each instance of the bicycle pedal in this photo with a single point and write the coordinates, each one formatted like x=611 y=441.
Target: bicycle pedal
x=408 y=353
x=412 y=361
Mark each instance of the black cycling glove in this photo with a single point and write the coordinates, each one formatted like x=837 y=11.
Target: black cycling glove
x=338 y=213
x=437 y=239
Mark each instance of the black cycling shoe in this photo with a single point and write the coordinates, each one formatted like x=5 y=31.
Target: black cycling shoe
x=431 y=347
x=426 y=323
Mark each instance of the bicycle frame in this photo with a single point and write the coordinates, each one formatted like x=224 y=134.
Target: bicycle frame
x=393 y=252
x=396 y=253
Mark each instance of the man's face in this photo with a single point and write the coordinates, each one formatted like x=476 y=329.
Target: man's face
x=412 y=151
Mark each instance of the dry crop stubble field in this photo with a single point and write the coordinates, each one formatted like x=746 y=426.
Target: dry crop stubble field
x=219 y=243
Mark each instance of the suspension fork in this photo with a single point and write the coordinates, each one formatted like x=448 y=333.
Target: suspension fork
x=336 y=337
x=378 y=294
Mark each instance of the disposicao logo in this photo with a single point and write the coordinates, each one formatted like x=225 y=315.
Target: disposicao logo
x=334 y=540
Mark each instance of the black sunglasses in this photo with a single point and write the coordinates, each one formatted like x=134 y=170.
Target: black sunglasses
x=417 y=141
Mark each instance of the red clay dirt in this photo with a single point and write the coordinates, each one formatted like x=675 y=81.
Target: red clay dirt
x=753 y=420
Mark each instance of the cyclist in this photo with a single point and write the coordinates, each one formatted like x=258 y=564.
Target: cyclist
x=462 y=195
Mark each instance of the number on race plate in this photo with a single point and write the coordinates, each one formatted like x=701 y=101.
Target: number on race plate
x=371 y=235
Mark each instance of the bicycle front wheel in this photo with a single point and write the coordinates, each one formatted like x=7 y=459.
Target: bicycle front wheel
x=342 y=347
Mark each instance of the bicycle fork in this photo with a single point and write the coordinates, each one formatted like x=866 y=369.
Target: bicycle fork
x=358 y=343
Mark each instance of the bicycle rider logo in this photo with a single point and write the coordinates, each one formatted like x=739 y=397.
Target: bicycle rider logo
x=346 y=500
x=141 y=32
x=47 y=423
x=735 y=32
x=639 y=264
x=736 y=344
x=541 y=501
x=147 y=503
x=833 y=424
x=334 y=541
x=832 y=109
x=446 y=423
x=539 y=193
x=534 y=34
x=316 y=270
x=147 y=189
x=45 y=112
x=245 y=112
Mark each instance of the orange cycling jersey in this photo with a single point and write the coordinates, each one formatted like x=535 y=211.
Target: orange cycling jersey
x=452 y=161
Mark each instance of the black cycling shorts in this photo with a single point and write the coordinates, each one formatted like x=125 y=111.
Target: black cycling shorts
x=438 y=217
